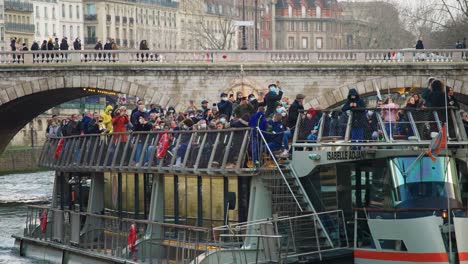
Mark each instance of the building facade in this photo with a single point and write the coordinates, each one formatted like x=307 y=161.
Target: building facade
x=3 y=41
x=128 y=23
x=71 y=20
x=308 y=24
x=19 y=22
x=46 y=19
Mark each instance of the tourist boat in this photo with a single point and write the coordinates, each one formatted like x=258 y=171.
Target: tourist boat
x=222 y=196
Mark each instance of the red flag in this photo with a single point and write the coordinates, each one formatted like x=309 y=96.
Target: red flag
x=437 y=143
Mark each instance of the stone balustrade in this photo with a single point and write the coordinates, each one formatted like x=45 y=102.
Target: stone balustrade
x=183 y=56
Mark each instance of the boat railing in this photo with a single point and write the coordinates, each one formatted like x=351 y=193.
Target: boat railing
x=378 y=127
x=108 y=236
x=293 y=233
x=197 y=151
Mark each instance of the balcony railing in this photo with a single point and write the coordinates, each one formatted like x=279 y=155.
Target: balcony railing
x=209 y=151
x=90 y=17
x=374 y=127
x=27 y=28
x=18 y=6
x=210 y=57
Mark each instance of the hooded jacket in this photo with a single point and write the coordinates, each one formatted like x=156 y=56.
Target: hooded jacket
x=359 y=117
x=294 y=113
x=107 y=118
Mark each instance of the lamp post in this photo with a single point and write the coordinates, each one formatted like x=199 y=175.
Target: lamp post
x=244 y=47
x=255 y=24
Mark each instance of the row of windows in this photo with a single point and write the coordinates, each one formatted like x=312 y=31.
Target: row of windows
x=319 y=43
x=305 y=43
x=70 y=34
x=318 y=11
x=18 y=19
x=319 y=26
x=45 y=13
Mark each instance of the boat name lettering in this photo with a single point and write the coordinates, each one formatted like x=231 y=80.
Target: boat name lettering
x=345 y=155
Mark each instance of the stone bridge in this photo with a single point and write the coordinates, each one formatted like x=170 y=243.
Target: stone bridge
x=33 y=82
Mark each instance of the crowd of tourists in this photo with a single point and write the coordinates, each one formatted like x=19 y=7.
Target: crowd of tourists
x=271 y=113
x=418 y=109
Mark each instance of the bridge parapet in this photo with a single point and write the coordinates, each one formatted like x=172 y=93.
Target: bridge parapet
x=331 y=56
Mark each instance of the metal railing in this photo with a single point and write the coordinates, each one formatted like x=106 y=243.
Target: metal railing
x=209 y=151
x=184 y=56
x=296 y=236
x=273 y=157
x=368 y=126
x=107 y=236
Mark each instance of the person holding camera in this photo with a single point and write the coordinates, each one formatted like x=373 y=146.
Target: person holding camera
x=119 y=122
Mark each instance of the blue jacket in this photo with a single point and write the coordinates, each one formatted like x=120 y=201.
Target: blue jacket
x=225 y=107
x=258 y=120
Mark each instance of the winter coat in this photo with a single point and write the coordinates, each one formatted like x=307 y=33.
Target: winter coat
x=258 y=120
x=119 y=122
x=35 y=46
x=293 y=113
x=271 y=99
x=390 y=112
x=107 y=118
x=225 y=108
x=359 y=117
x=64 y=45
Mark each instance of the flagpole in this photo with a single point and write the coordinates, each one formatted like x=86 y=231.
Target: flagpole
x=449 y=213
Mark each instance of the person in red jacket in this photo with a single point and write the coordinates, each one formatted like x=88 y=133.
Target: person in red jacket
x=119 y=121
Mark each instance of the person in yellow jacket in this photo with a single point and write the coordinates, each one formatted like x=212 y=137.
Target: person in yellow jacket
x=107 y=118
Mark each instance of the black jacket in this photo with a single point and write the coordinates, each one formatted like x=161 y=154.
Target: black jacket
x=293 y=113
x=359 y=117
x=271 y=99
x=225 y=107
x=64 y=45
x=76 y=45
x=35 y=46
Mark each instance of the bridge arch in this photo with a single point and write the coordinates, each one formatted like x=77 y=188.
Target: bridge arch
x=23 y=101
x=335 y=97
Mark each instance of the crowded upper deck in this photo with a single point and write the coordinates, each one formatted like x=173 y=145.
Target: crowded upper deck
x=226 y=136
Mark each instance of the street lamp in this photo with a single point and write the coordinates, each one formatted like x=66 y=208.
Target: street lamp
x=244 y=46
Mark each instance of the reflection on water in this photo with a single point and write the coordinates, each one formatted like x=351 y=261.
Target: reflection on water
x=15 y=192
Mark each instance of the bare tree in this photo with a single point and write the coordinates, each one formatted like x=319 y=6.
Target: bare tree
x=440 y=23
x=209 y=24
x=215 y=32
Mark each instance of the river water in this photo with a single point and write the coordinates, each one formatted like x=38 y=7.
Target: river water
x=16 y=191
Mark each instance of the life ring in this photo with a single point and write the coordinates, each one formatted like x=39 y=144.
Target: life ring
x=163 y=145
x=132 y=237
x=58 y=149
x=43 y=219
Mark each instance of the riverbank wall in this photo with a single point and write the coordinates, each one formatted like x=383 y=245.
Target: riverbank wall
x=19 y=160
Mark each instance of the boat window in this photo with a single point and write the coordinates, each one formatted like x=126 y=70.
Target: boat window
x=418 y=178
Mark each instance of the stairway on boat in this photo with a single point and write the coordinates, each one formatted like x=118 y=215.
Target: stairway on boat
x=306 y=231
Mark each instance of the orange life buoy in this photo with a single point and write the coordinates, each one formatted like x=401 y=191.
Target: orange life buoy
x=163 y=145
x=132 y=236
x=43 y=219
x=58 y=149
